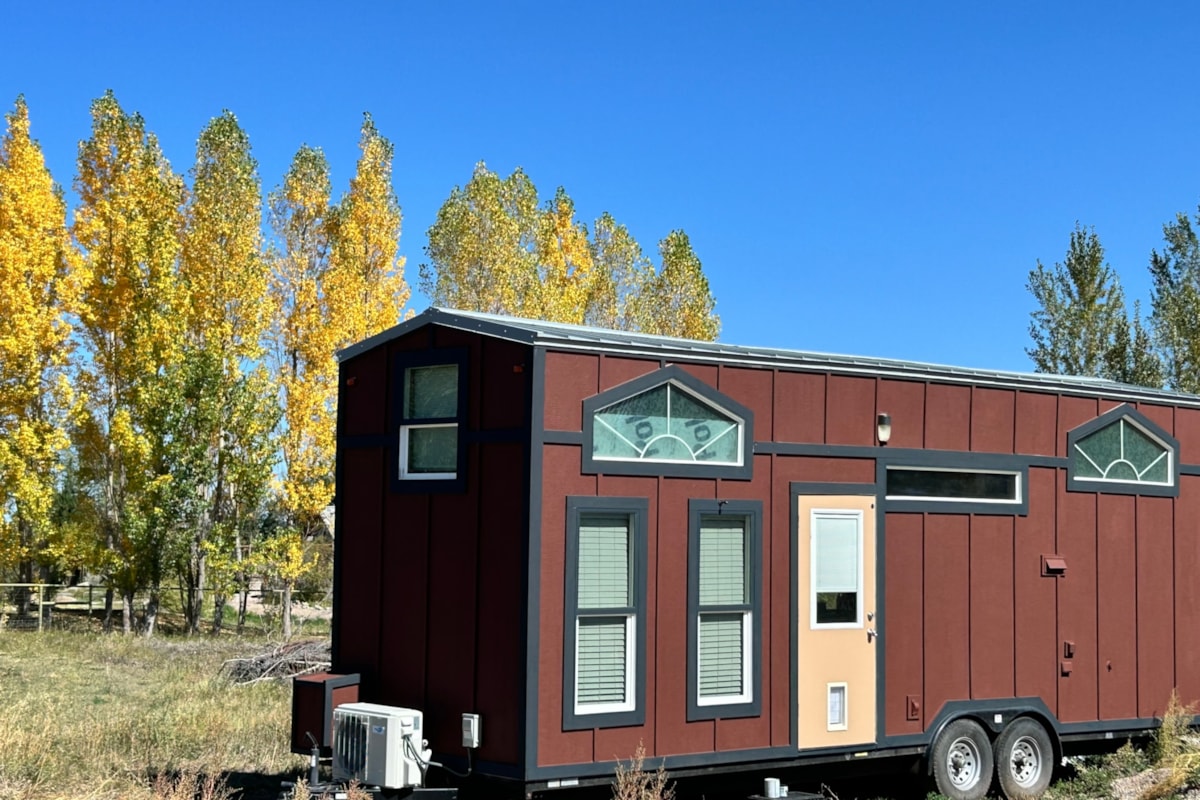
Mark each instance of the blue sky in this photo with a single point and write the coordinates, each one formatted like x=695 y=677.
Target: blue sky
x=869 y=178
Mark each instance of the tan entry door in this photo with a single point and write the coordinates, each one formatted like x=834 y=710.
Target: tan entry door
x=837 y=638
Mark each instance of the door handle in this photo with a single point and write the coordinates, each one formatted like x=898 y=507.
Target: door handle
x=872 y=634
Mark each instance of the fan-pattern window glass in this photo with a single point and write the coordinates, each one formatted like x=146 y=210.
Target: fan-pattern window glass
x=724 y=616
x=429 y=429
x=836 y=568
x=1122 y=452
x=605 y=621
x=667 y=424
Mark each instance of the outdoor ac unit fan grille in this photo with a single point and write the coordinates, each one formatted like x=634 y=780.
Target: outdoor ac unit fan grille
x=350 y=746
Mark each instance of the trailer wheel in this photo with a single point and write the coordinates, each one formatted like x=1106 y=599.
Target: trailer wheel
x=1024 y=759
x=962 y=761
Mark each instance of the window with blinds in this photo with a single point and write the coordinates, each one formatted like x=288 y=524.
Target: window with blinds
x=604 y=631
x=836 y=557
x=724 y=611
x=605 y=613
x=723 y=577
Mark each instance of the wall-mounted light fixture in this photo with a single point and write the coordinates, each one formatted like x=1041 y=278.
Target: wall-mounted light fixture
x=883 y=428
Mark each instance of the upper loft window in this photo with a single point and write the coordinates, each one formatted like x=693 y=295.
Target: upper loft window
x=432 y=406
x=667 y=422
x=1122 y=452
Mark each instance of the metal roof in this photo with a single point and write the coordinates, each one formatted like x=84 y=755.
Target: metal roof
x=562 y=336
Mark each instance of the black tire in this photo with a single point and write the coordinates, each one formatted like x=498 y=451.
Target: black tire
x=1024 y=759
x=961 y=761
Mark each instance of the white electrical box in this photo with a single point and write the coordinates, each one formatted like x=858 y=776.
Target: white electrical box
x=470 y=731
x=378 y=745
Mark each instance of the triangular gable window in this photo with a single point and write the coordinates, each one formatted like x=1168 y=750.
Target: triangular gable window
x=1122 y=452
x=667 y=423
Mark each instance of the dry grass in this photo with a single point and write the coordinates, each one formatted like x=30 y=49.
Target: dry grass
x=1174 y=756
x=633 y=782
x=99 y=717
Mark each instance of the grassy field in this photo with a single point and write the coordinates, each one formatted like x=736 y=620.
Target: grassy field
x=85 y=715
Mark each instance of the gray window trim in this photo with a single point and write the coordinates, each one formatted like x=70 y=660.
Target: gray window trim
x=401 y=363
x=677 y=375
x=1140 y=420
x=751 y=511
x=638 y=509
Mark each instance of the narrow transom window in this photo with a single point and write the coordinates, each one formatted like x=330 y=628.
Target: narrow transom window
x=926 y=483
x=837 y=568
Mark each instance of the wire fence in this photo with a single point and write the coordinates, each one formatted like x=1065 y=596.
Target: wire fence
x=40 y=606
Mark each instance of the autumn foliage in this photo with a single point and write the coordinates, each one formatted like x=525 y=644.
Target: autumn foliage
x=168 y=373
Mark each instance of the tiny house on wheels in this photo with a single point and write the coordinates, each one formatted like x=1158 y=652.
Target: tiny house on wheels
x=751 y=559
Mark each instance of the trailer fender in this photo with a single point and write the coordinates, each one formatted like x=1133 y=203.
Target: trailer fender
x=994 y=716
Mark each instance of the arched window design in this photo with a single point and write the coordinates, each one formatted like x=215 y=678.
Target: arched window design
x=666 y=422
x=1122 y=452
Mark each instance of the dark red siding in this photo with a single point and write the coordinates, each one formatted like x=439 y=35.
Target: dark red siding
x=1116 y=606
x=1035 y=598
x=948 y=417
x=799 y=412
x=904 y=636
x=1036 y=423
x=1077 y=692
x=904 y=401
x=947 y=611
x=992 y=632
x=1155 y=606
x=1186 y=562
x=411 y=614
x=992 y=420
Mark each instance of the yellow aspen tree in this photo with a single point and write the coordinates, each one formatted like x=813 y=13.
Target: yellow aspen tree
x=365 y=287
x=37 y=289
x=620 y=271
x=481 y=246
x=676 y=301
x=304 y=338
x=127 y=225
x=284 y=559
x=566 y=272
x=224 y=274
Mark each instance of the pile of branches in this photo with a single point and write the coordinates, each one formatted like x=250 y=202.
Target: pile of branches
x=279 y=663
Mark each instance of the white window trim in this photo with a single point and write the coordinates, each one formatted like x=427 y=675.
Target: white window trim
x=812 y=569
x=747 y=694
x=405 y=474
x=1018 y=484
x=630 y=702
x=845 y=723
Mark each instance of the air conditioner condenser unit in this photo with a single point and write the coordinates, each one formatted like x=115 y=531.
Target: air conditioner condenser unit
x=378 y=745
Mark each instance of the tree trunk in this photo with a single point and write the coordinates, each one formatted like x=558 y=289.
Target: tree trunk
x=127 y=611
x=151 y=612
x=108 y=608
x=242 y=601
x=218 y=613
x=287 y=611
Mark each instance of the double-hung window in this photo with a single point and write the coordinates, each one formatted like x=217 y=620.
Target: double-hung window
x=724 y=609
x=604 y=642
x=432 y=400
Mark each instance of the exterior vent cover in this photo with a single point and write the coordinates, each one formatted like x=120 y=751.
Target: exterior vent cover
x=378 y=745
